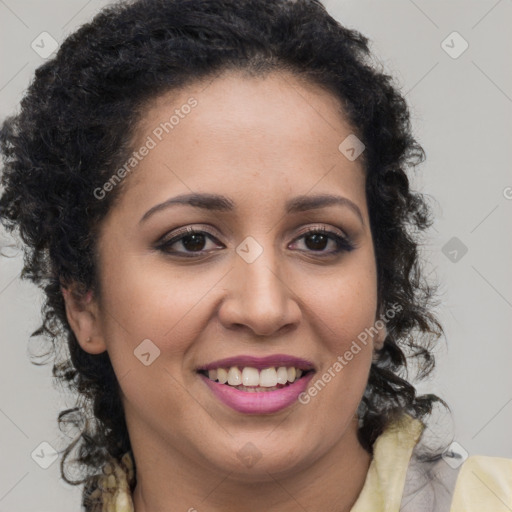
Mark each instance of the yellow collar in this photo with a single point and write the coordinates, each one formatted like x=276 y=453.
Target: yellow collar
x=385 y=480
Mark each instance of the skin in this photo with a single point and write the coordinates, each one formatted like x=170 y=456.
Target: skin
x=269 y=140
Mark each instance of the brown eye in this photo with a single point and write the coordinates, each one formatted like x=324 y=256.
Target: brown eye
x=191 y=240
x=317 y=240
x=190 y=243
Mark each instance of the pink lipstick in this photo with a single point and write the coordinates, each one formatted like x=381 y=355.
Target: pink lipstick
x=261 y=402
x=257 y=399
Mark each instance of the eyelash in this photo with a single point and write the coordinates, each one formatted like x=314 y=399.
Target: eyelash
x=343 y=244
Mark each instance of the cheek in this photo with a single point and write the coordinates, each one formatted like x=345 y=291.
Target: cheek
x=342 y=328
x=149 y=317
x=155 y=302
x=342 y=309
x=344 y=300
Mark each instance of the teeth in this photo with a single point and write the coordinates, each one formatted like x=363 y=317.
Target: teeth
x=251 y=377
x=256 y=389
x=222 y=375
x=282 y=375
x=268 y=378
x=234 y=376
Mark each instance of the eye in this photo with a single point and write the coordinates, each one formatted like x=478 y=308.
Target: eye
x=194 y=242
x=191 y=239
x=316 y=239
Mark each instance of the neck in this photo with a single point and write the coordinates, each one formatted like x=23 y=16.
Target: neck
x=173 y=482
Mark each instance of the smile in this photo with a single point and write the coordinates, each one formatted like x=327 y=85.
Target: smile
x=252 y=379
x=254 y=385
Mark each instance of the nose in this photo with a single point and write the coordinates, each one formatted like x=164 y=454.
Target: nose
x=259 y=298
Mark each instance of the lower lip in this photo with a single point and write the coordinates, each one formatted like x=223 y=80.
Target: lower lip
x=259 y=402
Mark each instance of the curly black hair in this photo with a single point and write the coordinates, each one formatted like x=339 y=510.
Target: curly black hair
x=75 y=128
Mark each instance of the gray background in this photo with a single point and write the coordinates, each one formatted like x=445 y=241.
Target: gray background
x=461 y=110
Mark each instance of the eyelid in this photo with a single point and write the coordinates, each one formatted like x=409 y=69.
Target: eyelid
x=169 y=236
x=344 y=242
x=323 y=228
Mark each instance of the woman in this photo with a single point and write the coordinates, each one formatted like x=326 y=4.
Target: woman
x=213 y=195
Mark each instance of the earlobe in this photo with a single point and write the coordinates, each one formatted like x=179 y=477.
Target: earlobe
x=83 y=318
x=93 y=345
x=378 y=340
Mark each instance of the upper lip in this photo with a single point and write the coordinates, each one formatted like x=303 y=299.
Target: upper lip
x=260 y=363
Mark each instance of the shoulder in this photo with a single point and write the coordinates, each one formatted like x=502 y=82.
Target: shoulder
x=483 y=483
x=450 y=484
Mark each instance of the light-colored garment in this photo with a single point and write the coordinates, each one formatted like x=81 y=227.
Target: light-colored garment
x=396 y=480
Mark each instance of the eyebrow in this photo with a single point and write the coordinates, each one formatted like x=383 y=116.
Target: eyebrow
x=220 y=203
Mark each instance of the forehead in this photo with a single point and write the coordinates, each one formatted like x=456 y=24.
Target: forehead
x=247 y=134
x=272 y=104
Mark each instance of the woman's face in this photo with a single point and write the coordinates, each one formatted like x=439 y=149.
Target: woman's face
x=251 y=284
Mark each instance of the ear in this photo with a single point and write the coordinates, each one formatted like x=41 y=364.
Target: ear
x=82 y=314
x=382 y=332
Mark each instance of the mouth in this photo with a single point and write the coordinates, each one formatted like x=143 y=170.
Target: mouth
x=251 y=398
x=256 y=375
x=251 y=379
